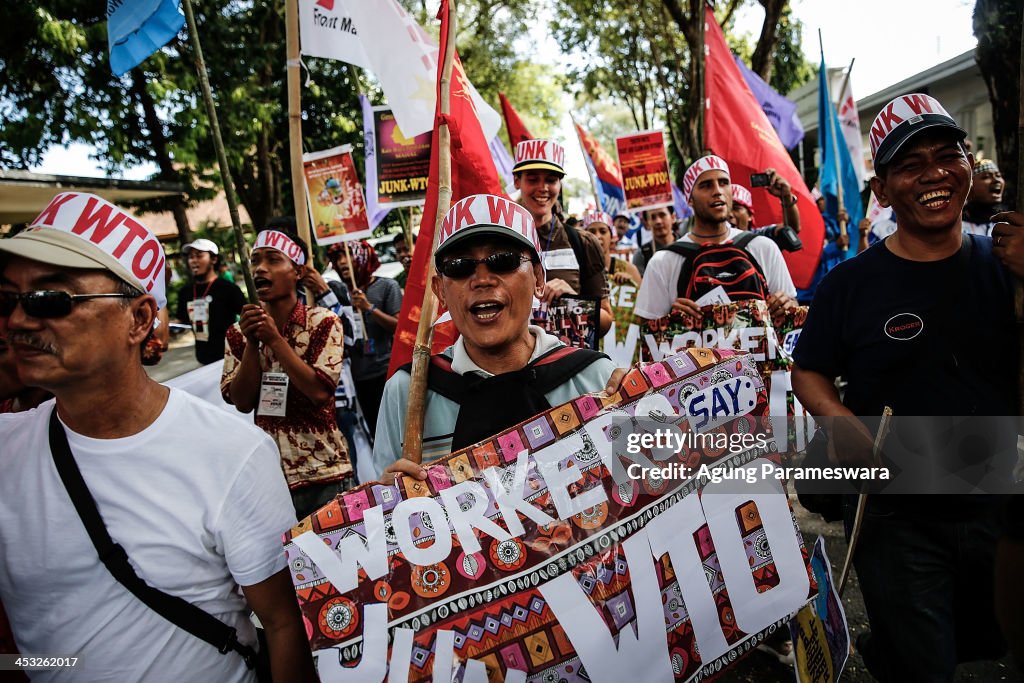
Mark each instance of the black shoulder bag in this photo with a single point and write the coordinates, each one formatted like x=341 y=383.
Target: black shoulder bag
x=179 y=612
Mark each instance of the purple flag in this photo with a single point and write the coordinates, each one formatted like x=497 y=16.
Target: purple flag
x=780 y=111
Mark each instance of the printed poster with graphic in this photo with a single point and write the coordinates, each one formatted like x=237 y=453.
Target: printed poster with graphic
x=403 y=164
x=645 y=175
x=745 y=326
x=622 y=340
x=572 y=319
x=337 y=208
x=534 y=556
x=820 y=634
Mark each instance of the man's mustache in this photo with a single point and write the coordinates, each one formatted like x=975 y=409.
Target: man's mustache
x=31 y=340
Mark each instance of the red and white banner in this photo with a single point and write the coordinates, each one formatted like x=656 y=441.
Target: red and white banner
x=644 y=166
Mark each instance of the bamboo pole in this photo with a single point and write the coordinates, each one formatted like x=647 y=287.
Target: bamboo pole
x=407 y=230
x=835 y=142
x=1018 y=290
x=862 y=499
x=291 y=16
x=218 y=144
x=412 y=448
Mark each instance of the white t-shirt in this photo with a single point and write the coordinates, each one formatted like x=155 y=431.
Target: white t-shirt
x=199 y=503
x=658 y=289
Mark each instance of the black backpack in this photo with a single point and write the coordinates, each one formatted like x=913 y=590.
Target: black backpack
x=728 y=265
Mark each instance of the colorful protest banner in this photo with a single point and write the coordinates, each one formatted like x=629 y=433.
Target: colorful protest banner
x=821 y=636
x=572 y=319
x=539 y=554
x=622 y=340
x=744 y=326
x=644 y=165
x=403 y=164
x=337 y=209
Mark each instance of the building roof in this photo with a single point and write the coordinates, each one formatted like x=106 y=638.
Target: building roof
x=24 y=194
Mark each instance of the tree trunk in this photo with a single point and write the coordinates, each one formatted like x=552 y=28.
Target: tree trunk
x=161 y=156
x=764 y=54
x=997 y=25
x=690 y=26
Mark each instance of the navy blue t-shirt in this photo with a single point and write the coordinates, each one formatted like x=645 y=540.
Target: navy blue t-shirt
x=923 y=337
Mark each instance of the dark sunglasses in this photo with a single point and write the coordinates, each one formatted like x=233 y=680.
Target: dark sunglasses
x=501 y=263
x=48 y=303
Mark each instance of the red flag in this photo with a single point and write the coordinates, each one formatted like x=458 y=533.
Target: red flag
x=513 y=124
x=737 y=130
x=473 y=172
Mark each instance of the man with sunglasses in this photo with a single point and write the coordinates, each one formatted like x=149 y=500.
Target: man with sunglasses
x=193 y=496
x=501 y=370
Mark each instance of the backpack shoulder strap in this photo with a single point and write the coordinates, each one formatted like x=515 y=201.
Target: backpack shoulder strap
x=557 y=366
x=688 y=250
x=576 y=242
x=743 y=240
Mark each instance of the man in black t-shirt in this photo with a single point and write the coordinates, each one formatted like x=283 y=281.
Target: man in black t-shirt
x=922 y=323
x=210 y=304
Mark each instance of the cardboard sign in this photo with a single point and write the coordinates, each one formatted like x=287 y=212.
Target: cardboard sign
x=403 y=163
x=572 y=319
x=821 y=636
x=337 y=208
x=645 y=175
x=622 y=340
x=744 y=326
x=540 y=554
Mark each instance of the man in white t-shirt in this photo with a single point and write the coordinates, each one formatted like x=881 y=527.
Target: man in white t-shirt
x=195 y=497
x=706 y=185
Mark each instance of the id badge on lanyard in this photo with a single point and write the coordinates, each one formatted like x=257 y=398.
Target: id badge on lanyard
x=199 y=314
x=273 y=395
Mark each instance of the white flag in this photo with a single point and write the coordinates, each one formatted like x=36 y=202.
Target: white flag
x=849 y=119
x=327 y=31
x=403 y=58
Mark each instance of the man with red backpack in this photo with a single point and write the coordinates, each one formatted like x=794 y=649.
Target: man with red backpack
x=713 y=254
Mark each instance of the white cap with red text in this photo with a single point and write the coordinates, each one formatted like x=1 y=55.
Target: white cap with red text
x=903 y=118
x=272 y=239
x=591 y=217
x=699 y=168
x=487 y=214
x=81 y=230
x=540 y=155
x=741 y=195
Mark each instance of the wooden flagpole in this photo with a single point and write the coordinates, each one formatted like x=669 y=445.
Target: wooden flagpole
x=835 y=142
x=862 y=499
x=222 y=159
x=291 y=15
x=412 y=449
x=699 y=85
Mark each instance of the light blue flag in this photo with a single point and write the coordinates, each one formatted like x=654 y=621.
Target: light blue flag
x=138 y=28
x=828 y=180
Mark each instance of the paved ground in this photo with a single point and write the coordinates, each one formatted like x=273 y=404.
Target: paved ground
x=178 y=359
x=760 y=668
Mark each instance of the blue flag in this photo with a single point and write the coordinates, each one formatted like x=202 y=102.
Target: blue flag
x=780 y=111
x=829 y=180
x=138 y=28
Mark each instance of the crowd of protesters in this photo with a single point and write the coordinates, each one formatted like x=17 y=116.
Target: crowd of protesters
x=198 y=499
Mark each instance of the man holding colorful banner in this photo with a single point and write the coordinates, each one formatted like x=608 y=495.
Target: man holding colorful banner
x=500 y=370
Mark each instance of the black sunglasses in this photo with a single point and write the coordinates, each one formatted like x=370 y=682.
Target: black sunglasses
x=501 y=263
x=48 y=303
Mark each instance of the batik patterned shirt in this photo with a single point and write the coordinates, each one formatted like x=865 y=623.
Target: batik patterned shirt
x=312 y=448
